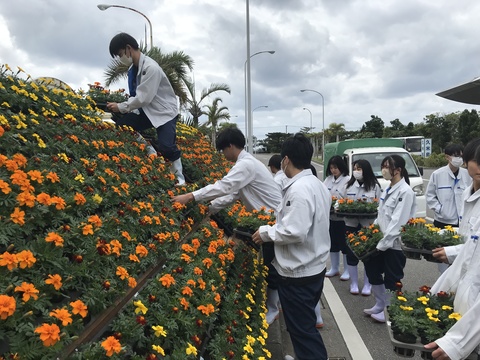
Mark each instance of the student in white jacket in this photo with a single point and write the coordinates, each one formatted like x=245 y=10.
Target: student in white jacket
x=251 y=182
x=302 y=245
x=154 y=103
x=462 y=277
x=396 y=206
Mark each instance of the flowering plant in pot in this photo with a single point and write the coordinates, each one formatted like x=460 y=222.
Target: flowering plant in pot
x=364 y=242
x=358 y=206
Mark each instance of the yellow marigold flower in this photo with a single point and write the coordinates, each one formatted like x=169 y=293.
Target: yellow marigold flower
x=158 y=349
x=159 y=331
x=79 y=178
x=191 y=350
x=446 y=307
x=406 y=308
x=111 y=346
x=8 y=306
x=139 y=307
x=455 y=316
x=49 y=334
x=28 y=290
x=97 y=198
x=423 y=300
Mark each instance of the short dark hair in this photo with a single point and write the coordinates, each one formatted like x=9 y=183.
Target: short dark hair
x=337 y=161
x=470 y=150
x=230 y=136
x=120 y=41
x=299 y=150
x=453 y=149
x=275 y=161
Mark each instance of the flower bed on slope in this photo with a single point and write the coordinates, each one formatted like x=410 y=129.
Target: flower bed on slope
x=85 y=214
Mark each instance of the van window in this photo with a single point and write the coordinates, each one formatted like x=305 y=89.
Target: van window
x=375 y=159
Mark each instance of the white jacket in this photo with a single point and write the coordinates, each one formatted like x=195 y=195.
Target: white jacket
x=336 y=187
x=300 y=235
x=154 y=94
x=444 y=194
x=281 y=179
x=463 y=278
x=356 y=192
x=248 y=180
x=396 y=206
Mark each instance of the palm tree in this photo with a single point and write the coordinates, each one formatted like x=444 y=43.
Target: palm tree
x=194 y=105
x=175 y=65
x=336 y=129
x=216 y=113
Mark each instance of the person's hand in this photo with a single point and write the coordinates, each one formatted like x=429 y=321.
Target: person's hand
x=257 y=238
x=112 y=106
x=440 y=254
x=438 y=354
x=183 y=199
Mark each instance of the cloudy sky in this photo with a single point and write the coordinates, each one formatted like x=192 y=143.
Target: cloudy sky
x=366 y=57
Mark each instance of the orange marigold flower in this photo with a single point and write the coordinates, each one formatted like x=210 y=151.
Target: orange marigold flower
x=78 y=307
x=134 y=258
x=184 y=303
x=55 y=238
x=8 y=260
x=196 y=243
x=79 y=199
x=167 y=280
x=28 y=290
x=122 y=272
x=207 y=310
x=187 y=291
x=26 y=198
x=55 y=280
x=26 y=259
x=44 y=199
x=111 y=346
x=49 y=334
x=20 y=159
x=197 y=271
x=202 y=284
x=60 y=204
x=53 y=177
x=95 y=220
x=87 y=230
x=4 y=187
x=19 y=178
x=217 y=298
x=63 y=315
x=132 y=282
x=18 y=216
x=207 y=262
x=7 y=306
x=36 y=175
x=141 y=250
x=186 y=258
x=191 y=282
x=126 y=235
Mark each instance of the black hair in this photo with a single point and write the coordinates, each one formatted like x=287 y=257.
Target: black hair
x=230 y=136
x=120 y=41
x=453 y=149
x=314 y=171
x=397 y=162
x=275 y=161
x=470 y=152
x=337 y=161
x=299 y=150
x=369 y=179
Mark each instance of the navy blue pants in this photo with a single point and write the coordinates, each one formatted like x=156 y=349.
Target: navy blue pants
x=299 y=298
x=352 y=260
x=386 y=267
x=166 y=133
x=337 y=236
x=268 y=251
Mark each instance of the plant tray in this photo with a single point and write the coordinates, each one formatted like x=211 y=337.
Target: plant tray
x=246 y=238
x=365 y=257
x=417 y=254
x=357 y=215
x=408 y=350
x=226 y=229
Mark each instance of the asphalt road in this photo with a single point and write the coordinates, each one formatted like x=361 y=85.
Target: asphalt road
x=374 y=335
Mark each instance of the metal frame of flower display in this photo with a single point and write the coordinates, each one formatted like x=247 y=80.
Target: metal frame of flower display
x=87 y=224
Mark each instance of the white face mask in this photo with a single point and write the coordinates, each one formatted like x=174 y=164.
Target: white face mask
x=358 y=174
x=456 y=161
x=127 y=61
x=386 y=174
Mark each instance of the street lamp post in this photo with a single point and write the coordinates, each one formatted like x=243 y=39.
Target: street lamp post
x=323 y=119
x=258 y=107
x=310 y=119
x=248 y=96
x=104 y=7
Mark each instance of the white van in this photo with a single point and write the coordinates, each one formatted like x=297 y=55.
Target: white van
x=374 y=151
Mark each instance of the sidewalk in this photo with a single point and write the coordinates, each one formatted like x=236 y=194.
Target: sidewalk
x=338 y=327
